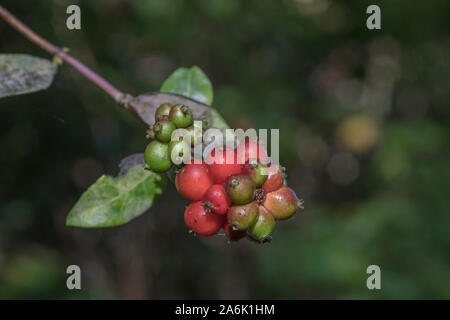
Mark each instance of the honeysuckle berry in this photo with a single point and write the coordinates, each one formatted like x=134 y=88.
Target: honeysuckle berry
x=196 y=134
x=201 y=220
x=219 y=168
x=179 y=152
x=240 y=188
x=163 y=130
x=216 y=199
x=275 y=178
x=163 y=111
x=282 y=203
x=156 y=156
x=181 y=116
x=193 y=181
x=252 y=152
x=242 y=217
x=258 y=172
x=262 y=229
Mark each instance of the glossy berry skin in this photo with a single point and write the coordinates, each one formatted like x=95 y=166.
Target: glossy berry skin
x=251 y=151
x=216 y=199
x=274 y=180
x=181 y=116
x=240 y=189
x=163 y=111
x=179 y=152
x=156 y=156
x=202 y=221
x=244 y=216
x=262 y=229
x=219 y=169
x=233 y=235
x=193 y=181
x=256 y=173
x=282 y=203
x=163 y=130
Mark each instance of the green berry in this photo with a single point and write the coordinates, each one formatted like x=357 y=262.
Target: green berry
x=262 y=229
x=163 y=111
x=181 y=116
x=163 y=130
x=242 y=217
x=196 y=134
x=156 y=156
x=240 y=188
x=179 y=152
x=257 y=172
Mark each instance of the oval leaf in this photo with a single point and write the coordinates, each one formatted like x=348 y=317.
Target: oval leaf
x=192 y=83
x=22 y=73
x=115 y=201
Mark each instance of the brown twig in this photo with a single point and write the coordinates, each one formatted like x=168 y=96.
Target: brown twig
x=115 y=93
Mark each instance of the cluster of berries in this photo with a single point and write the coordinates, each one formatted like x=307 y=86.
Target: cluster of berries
x=232 y=189
x=168 y=118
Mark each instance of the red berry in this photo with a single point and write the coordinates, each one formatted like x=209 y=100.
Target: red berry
x=216 y=199
x=219 y=168
x=250 y=151
x=201 y=220
x=274 y=179
x=282 y=203
x=233 y=235
x=240 y=188
x=193 y=181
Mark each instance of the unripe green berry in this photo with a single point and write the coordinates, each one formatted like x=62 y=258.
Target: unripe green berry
x=179 y=152
x=240 y=188
x=261 y=230
x=163 y=130
x=242 y=217
x=257 y=172
x=163 y=111
x=181 y=116
x=156 y=156
x=196 y=134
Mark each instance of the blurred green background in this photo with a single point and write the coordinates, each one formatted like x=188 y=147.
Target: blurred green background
x=364 y=129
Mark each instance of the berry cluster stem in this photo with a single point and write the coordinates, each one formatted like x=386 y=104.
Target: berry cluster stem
x=115 y=93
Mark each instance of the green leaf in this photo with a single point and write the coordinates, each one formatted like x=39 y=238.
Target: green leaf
x=115 y=201
x=22 y=73
x=192 y=83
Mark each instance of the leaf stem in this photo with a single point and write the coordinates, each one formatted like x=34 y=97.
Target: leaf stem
x=115 y=93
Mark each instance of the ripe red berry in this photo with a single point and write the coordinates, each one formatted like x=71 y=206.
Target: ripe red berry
x=244 y=216
x=216 y=199
x=193 y=181
x=240 y=188
x=282 y=203
x=233 y=235
x=274 y=180
x=251 y=151
x=219 y=167
x=201 y=220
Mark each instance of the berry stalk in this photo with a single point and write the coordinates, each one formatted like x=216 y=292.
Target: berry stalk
x=14 y=22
